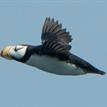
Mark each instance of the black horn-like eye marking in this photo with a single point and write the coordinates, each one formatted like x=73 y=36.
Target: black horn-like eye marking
x=16 y=48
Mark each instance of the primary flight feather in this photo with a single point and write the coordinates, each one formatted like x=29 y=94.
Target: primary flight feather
x=53 y=55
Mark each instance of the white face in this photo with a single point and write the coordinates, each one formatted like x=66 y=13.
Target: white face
x=17 y=52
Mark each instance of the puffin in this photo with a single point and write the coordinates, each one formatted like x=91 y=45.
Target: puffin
x=53 y=54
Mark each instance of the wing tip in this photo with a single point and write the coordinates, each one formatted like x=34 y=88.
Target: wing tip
x=52 y=30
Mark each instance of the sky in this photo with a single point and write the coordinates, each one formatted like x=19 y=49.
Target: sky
x=21 y=21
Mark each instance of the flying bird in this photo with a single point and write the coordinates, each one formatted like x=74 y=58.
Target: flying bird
x=53 y=55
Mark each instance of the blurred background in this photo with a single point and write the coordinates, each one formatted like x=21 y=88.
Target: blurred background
x=21 y=21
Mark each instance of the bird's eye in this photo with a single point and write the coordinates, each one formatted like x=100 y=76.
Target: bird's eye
x=16 y=48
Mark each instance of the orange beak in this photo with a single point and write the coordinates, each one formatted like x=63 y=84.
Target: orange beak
x=5 y=53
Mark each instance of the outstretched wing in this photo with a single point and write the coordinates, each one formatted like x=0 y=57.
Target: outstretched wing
x=54 y=37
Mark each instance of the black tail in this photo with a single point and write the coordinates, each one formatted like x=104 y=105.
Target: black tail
x=85 y=65
x=97 y=71
x=101 y=72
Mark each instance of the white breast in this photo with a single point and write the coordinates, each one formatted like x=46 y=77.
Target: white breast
x=54 y=65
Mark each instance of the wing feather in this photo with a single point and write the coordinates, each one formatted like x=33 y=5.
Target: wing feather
x=54 y=37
